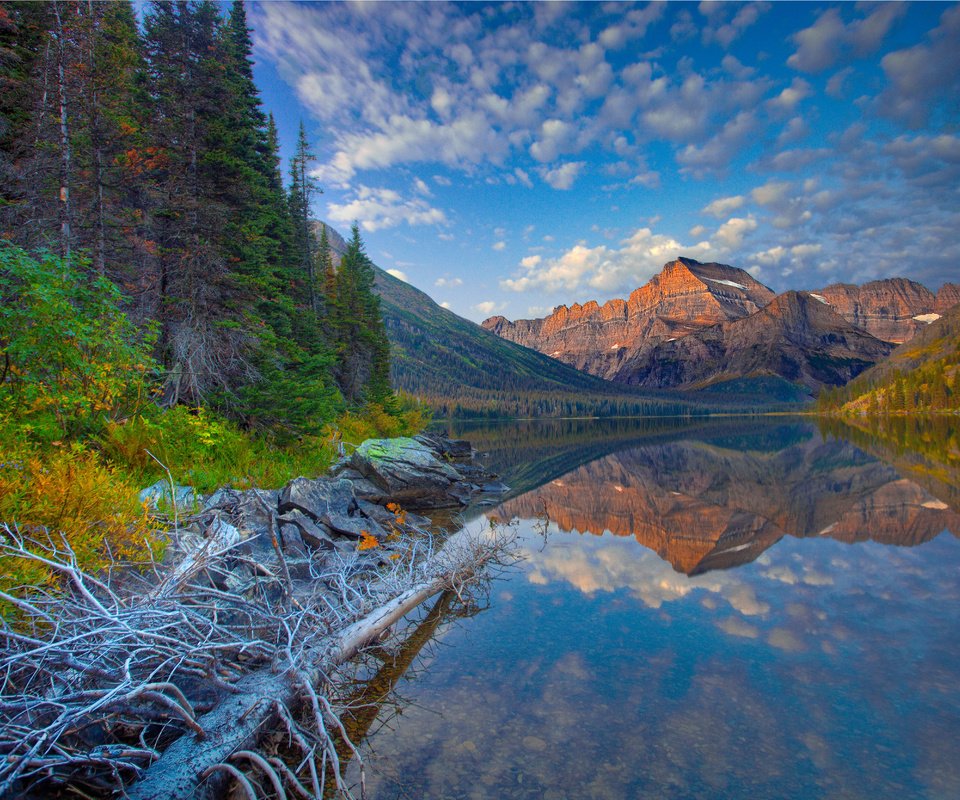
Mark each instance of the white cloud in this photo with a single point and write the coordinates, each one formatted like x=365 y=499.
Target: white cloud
x=564 y=176
x=421 y=188
x=442 y=283
x=724 y=205
x=830 y=39
x=724 y=32
x=787 y=101
x=921 y=76
x=445 y=304
x=378 y=208
x=488 y=307
x=399 y=275
x=603 y=268
x=771 y=193
x=730 y=235
x=717 y=153
x=523 y=177
x=498 y=246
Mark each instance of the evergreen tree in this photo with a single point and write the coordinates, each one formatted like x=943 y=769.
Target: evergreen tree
x=362 y=347
x=303 y=188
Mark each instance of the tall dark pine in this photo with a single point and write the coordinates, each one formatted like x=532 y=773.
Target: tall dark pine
x=363 y=351
x=206 y=344
x=303 y=188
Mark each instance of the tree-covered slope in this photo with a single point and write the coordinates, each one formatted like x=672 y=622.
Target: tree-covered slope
x=920 y=375
x=451 y=362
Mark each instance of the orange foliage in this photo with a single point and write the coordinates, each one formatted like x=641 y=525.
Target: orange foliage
x=367 y=541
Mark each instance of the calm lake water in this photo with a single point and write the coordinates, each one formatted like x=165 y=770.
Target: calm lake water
x=727 y=610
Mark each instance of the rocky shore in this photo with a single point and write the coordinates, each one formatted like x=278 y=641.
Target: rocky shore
x=358 y=509
x=184 y=669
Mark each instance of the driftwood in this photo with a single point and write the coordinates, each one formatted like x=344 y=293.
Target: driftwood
x=163 y=685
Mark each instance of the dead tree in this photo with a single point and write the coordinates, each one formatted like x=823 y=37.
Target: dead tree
x=152 y=683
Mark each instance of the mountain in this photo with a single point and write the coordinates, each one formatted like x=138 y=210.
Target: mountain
x=920 y=375
x=456 y=366
x=795 y=337
x=696 y=326
x=893 y=309
x=684 y=297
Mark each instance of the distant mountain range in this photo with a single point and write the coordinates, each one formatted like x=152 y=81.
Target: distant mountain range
x=459 y=368
x=703 y=326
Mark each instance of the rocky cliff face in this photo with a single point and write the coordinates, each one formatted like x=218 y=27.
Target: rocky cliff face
x=894 y=309
x=947 y=297
x=688 y=327
x=797 y=337
x=686 y=296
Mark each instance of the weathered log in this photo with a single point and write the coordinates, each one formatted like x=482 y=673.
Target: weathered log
x=241 y=719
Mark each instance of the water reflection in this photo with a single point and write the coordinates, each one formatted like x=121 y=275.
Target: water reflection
x=826 y=665
x=706 y=505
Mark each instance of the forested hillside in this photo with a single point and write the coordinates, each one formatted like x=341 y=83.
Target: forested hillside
x=140 y=154
x=922 y=375
x=462 y=370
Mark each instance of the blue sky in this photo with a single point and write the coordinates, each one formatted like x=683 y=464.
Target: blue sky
x=508 y=157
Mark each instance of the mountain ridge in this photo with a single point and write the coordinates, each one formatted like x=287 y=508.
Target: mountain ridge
x=633 y=341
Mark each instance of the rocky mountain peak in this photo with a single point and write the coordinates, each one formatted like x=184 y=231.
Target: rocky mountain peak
x=685 y=296
x=892 y=309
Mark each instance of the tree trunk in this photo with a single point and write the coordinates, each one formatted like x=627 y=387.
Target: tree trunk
x=64 y=205
x=241 y=719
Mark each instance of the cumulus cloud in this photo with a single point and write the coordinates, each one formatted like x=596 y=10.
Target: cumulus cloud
x=922 y=76
x=830 y=39
x=443 y=283
x=724 y=205
x=498 y=246
x=378 y=208
x=564 y=176
x=730 y=235
x=717 y=153
x=602 y=268
x=399 y=275
x=723 y=31
x=787 y=101
x=488 y=307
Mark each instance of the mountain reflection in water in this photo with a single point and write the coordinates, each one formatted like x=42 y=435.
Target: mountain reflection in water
x=704 y=506
x=827 y=664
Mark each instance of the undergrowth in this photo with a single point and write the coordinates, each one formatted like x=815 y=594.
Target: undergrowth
x=80 y=433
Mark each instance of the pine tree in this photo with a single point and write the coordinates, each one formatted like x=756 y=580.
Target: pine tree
x=362 y=347
x=303 y=188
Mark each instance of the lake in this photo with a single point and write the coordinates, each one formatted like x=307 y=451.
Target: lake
x=732 y=609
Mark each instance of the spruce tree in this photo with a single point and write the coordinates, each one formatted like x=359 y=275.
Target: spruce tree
x=362 y=347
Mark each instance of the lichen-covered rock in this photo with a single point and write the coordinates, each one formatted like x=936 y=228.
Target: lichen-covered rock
x=159 y=497
x=407 y=472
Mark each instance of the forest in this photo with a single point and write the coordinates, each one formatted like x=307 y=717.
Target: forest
x=920 y=377
x=167 y=308
x=141 y=155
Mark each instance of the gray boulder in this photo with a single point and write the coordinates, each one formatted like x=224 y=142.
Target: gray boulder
x=331 y=503
x=407 y=472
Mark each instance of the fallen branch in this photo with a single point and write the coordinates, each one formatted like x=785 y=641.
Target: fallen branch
x=132 y=664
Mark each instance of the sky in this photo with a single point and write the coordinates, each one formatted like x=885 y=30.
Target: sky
x=509 y=157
